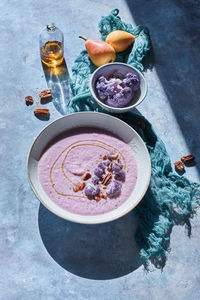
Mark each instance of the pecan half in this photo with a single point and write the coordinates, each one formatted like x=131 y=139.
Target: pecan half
x=41 y=111
x=110 y=167
x=187 y=158
x=79 y=187
x=112 y=156
x=86 y=176
x=45 y=94
x=29 y=100
x=97 y=198
x=107 y=179
x=102 y=195
x=141 y=124
x=179 y=165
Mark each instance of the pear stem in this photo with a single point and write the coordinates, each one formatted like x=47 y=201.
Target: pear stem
x=81 y=37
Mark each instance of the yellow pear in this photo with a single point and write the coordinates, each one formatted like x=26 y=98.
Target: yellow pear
x=120 y=40
x=99 y=52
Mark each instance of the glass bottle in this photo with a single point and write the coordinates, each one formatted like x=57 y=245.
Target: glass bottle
x=51 y=45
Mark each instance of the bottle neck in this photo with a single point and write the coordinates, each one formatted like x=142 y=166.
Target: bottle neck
x=51 y=27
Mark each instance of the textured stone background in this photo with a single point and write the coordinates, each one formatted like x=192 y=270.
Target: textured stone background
x=42 y=256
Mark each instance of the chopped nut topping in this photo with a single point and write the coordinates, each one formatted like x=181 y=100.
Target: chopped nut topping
x=107 y=179
x=41 y=111
x=97 y=198
x=187 y=158
x=103 y=195
x=141 y=124
x=86 y=176
x=113 y=156
x=179 y=165
x=109 y=167
x=105 y=157
x=79 y=187
x=45 y=94
x=29 y=100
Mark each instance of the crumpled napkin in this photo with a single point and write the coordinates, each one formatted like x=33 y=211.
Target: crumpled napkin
x=170 y=199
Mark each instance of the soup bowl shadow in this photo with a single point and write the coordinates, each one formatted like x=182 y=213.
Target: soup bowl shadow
x=102 y=251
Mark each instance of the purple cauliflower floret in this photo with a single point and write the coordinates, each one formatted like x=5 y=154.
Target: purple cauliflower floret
x=101 y=165
x=95 y=180
x=114 y=189
x=118 y=90
x=101 y=87
x=106 y=163
x=122 y=99
x=91 y=190
x=120 y=175
x=132 y=80
x=107 y=88
x=116 y=168
x=98 y=172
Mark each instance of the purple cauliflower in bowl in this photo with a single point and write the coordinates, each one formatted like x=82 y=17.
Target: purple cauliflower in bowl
x=118 y=87
x=117 y=91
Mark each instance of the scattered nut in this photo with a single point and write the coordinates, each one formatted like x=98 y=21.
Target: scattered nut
x=179 y=165
x=107 y=179
x=41 y=111
x=97 y=198
x=109 y=167
x=86 y=176
x=45 y=94
x=187 y=158
x=103 y=195
x=105 y=157
x=141 y=124
x=79 y=187
x=113 y=156
x=29 y=100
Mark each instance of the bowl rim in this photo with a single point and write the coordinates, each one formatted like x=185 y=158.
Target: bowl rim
x=68 y=218
x=117 y=109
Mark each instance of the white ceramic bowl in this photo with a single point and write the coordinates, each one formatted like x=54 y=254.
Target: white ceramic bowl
x=102 y=121
x=107 y=70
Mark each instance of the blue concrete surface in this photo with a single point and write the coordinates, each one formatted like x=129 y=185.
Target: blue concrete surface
x=43 y=256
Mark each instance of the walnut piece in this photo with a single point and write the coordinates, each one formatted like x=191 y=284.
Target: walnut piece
x=179 y=165
x=107 y=179
x=29 y=100
x=141 y=124
x=86 y=176
x=41 y=111
x=110 y=167
x=45 y=94
x=97 y=198
x=102 y=195
x=187 y=158
x=79 y=187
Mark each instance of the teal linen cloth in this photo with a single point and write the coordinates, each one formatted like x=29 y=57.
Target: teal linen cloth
x=171 y=199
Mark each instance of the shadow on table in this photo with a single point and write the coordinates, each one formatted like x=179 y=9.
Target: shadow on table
x=103 y=251
x=58 y=81
x=174 y=26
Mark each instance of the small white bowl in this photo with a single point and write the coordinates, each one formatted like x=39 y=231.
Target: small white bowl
x=109 y=69
x=94 y=120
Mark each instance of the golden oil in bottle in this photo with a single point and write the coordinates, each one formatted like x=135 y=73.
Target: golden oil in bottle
x=51 y=46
